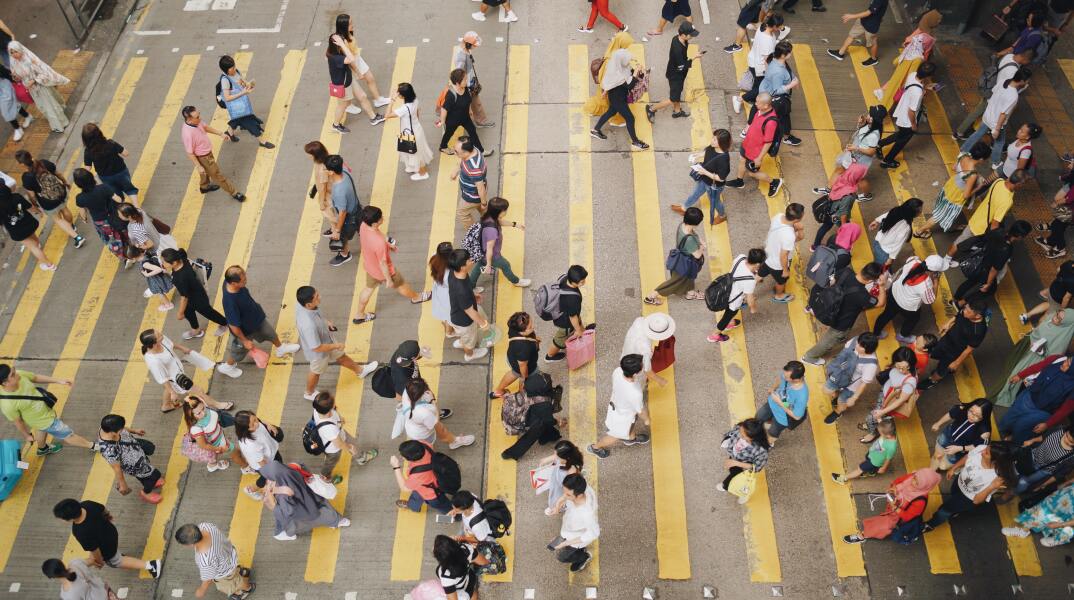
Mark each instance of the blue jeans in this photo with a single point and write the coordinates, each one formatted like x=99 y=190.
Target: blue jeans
x=1022 y=417
x=120 y=183
x=1030 y=481
x=715 y=203
x=879 y=255
x=997 y=145
x=440 y=504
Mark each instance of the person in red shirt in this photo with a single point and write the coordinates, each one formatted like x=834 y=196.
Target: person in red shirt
x=377 y=261
x=760 y=134
x=420 y=484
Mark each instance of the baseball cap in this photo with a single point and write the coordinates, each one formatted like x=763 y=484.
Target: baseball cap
x=407 y=352
x=687 y=28
x=935 y=263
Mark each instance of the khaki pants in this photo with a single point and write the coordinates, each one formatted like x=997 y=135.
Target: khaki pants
x=212 y=172
x=477 y=109
x=232 y=585
x=468 y=213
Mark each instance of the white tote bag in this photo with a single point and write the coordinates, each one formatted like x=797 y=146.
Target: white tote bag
x=321 y=486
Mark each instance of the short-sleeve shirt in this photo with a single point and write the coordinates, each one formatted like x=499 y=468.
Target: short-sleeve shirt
x=760 y=132
x=461 y=297
x=29 y=178
x=523 y=351
x=35 y=413
x=739 y=289
x=798 y=398
x=963 y=334
x=189 y=286
x=491 y=233
x=627 y=396
x=242 y=311
x=480 y=529
x=457 y=104
x=106 y=160
x=196 y=140
x=912 y=94
x=374 y=250
x=208 y=428
x=717 y=162
x=422 y=419
x=570 y=304
x=471 y=172
x=781 y=237
x=877 y=8
x=221 y=560
x=312 y=332
x=259 y=447
x=1063 y=283
x=458 y=582
x=87 y=585
x=856 y=298
x=338 y=70
x=993 y=207
x=974 y=476
x=882 y=450
x=329 y=432
x=461 y=59
x=127 y=453
x=422 y=481
x=690 y=243
x=96 y=532
x=864 y=370
x=98 y=202
x=1015 y=154
x=345 y=198
x=963 y=432
x=1004 y=99
x=164 y=366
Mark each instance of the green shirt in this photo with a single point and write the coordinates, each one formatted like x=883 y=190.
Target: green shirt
x=35 y=413
x=882 y=450
x=692 y=243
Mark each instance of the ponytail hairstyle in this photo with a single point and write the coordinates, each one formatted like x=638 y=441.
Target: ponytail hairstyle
x=438 y=263
x=782 y=49
x=172 y=255
x=774 y=20
x=570 y=454
x=148 y=339
x=416 y=389
x=907 y=211
x=130 y=211
x=54 y=568
x=518 y=323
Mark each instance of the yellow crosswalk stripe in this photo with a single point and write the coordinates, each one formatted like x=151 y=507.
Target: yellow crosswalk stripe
x=582 y=382
x=502 y=475
x=13 y=510
x=30 y=300
x=324 y=546
x=238 y=254
x=943 y=558
x=967 y=379
x=840 y=509
x=132 y=382
x=672 y=545
x=758 y=524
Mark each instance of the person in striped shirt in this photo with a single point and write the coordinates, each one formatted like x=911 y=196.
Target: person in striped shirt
x=217 y=560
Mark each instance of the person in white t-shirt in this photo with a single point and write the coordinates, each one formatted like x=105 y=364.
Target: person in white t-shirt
x=843 y=387
x=1020 y=151
x=329 y=424
x=626 y=405
x=743 y=282
x=907 y=112
x=912 y=289
x=982 y=472
x=579 y=527
x=162 y=360
x=997 y=113
x=783 y=233
x=1005 y=70
x=474 y=528
x=259 y=443
x=421 y=417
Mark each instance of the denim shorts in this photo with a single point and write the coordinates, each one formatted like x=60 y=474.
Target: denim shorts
x=942 y=441
x=58 y=429
x=844 y=394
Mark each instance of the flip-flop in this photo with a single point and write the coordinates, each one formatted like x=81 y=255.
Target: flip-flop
x=696 y=296
x=230 y=405
x=652 y=301
x=172 y=409
x=924 y=235
x=333 y=328
x=364 y=318
x=424 y=297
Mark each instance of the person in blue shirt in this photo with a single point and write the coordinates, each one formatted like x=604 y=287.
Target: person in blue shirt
x=235 y=94
x=787 y=401
x=247 y=322
x=778 y=82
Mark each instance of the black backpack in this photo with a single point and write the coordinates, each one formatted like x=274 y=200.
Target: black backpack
x=498 y=516
x=777 y=139
x=445 y=470
x=825 y=302
x=382 y=382
x=311 y=437
x=220 y=93
x=822 y=209
x=990 y=77
x=718 y=293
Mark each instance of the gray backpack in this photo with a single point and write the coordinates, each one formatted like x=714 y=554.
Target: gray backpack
x=822 y=265
x=840 y=370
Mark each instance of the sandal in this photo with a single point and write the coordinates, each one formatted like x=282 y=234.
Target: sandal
x=229 y=406
x=401 y=504
x=423 y=297
x=695 y=295
x=166 y=411
x=868 y=439
x=366 y=456
x=923 y=235
x=652 y=301
x=364 y=318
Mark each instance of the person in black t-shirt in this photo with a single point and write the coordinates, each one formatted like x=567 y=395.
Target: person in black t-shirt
x=569 y=324
x=678 y=66
x=999 y=248
x=523 y=350
x=97 y=203
x=856 y=300
x=466 y=314
x=92 y=527
x=866 y=25
x=106 y=157
x=55 y=207
x=193 y=298
x=710 y=174
x=959 y=337
x=455 y=113
x=1061 y=292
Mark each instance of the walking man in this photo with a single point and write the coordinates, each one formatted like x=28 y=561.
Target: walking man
x=760 y=135
x=23 y=404
x=315 y=337
x=217 y=560
x=347 y=207
x=569 y=320
x=335 y=439
x=247 y=322
x=678 y=67
x=856 y=300
x=200 y=150
x=92 y=526
x=467 y=317
x=579 y=527
x=473 y=184
x=866 y=25
x=463 y=58
x=625 y=406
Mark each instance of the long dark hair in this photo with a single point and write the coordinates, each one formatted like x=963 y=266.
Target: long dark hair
x=453 y=559
x=131 y=212
x=242 y=425
x=781 y=50
x=172 y=255
x=906 y=355
x=569 y=454
x=148 y=339
x=1002 y=454
x=54 y=568
x=438 y=263
x=755 y=431
x=877 y=113
x=316 y=150
x=907 y=211
x=497 y=206
x=416 y=389
x=343 y=28
x=93 y=139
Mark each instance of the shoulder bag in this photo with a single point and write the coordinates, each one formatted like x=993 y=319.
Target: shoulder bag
x=406 y=142
x=475 y=83
x=46 y=396
x=682 y=263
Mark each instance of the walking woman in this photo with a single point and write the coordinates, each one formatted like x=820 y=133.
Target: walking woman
x=1020 y=151
x=208 y=433
x=912 y=289
x=861 y=149
x=340 y=58
x=48 y=191
x=747 y=448
x=455 y=567
x=193 y=298
x=420 y=417
x=322 y=188
x=966 y=425
x=779 y=83
x=600 y=7
x=710 y=173
x=597 y=104
x=21 y=226
x=523 y=351
x=916 y=48
x=142 y=230
x=620 y=73
x=907 y=498
x=157 y=280
x=235 y=92
x=893 y=230
x=985 y=470
x=455 y=113
x=439 y=272
x=689 y=243
x=566 y=459
x=897 y=396
x=106 y=157
x=41 y=81
x=99 y=203
x=492 y=241
x=361 y=70
x=295 y=507
x=409 y=115
x=764 y=42
x=462 y=57
x=11 y=107
x=1053 y=518
x=963 y=184
x=672 y=10
x=78 y=580
x=259 y=443
x=162 y=360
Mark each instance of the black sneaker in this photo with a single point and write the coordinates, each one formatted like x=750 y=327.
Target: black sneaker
x=639 y=439
x=832 y=417
x=600 y=453
x=327 y=232
x=556 y=358
x=376 y=120
x=774 y=187
x=339 y=259
x=926 y=384
x=445 y=413
x=682 y=114
x=835 y=54
x=869 y=62
x=267 y=145
x=212 y=187
x=340 y=128
x=240 y=197
x=865 y=197
x=581 y=567
x=1042 y=241
x=153 y=568
x=735 y=183
x=820 y=8
x=640 y=145
x=650 y=113
x=791 y=140
x=732 y=48
x=853 y=539
x=889 y=164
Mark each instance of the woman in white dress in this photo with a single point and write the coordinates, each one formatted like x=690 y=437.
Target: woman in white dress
x=409 y=115
x=162 y=360
x=441 y=304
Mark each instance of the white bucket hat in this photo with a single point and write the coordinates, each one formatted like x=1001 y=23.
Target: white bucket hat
x=659 y=326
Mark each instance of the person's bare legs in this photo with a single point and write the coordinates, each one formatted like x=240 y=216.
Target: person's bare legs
x=363 y=300
x=34 y=245
x=170 y=399
x=341 y=112
x=65 y=222
x=507 y=379
x=846 y=45
x=443 y=434
x=405 y=290
x=238 y=458
x=362 y=99
x=371 y=83
x=76 y=440
x=659 y=27
x=311 y=382
x=606 y=441
x=134 y=564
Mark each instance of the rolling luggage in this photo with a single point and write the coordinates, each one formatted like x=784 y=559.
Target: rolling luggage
x=10 y=473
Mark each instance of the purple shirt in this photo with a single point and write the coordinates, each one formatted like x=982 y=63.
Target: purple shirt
x=490 y=233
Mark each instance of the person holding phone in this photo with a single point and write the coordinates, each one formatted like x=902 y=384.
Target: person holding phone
x=678 y=66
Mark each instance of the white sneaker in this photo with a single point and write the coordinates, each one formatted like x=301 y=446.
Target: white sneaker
x=477 y=354
x=879 y=93
x=523 y=283
x=255 y=495
x=26 y=122
x=511 y=17
x=230 y=370
x=283 y=537
x=419 y=177
x=720 y=487
x=248 y=471
x=343 y=522
x=743 y=499
x=478 y=16
x=783 y=34
x=736 y=103
x=18 y=134
x=369 y=368
x=354 y=110
x=47 y=266
x=218 y=466
x=286 y=349
x=382 y=101
x=457 y=344
x=148 y=293
x=311 y=396
x=461 y=440
x=1015 y=532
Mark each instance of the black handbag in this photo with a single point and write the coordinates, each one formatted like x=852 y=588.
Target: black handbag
x=46 y=396
x=406 y=141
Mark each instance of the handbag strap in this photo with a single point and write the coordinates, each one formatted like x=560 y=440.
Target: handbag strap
x=38 y=398
x=410 y=116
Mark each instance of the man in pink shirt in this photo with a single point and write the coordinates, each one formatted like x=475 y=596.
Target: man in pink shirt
x=200 y=150
x=759 y=136
x=377 y=262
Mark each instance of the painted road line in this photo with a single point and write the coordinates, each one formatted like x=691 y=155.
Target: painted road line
x=758 y=524
x=582 y=382
x=501 y=475
x=408 y=547
x=839 y=507
x=967 y=379
x=1066 y=65
x=13 y=510
x=132 y=382
x=238 y=254
x=669 y=493
x=324 y=545
x=943 y=557
x=30 y=300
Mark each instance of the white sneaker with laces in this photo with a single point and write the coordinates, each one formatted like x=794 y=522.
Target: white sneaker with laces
x=477 y=354
x=248 y=471
x=18 y=134
x=286 y=349
x=368 y=369
x=382 y=101
x=283 y=537
x=255 y=495
x=460 y=441
x=457 y=344
x=148 y=293
x=354 y=110
x=511 y=17
x=1015 y=532
x=343 y=522
x=230 y=370
x=523 y=283
x=736 y=103
x=26 y=122
x=311 y=396
x=478 y=16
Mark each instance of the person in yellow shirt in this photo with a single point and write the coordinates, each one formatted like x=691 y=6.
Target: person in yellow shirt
x=995 y=204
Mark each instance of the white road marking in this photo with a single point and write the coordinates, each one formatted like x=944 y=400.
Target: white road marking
x=274 y=29
x=223 y=4
x=210 y=48
x=154 y=32
x=175 y=49
x=425 y=40
x=122 y=592
x=140 y=52
x=177 y=593
x=389 y=41
x=33 y=36
x=316 y=44
x=705 y=11
x=499 y=39
x=590 y=593
x=244 y=46
x=350 y=596
x=529 y=594
x=280 y=45
x=195 y=5
x=14 y=587
x=290 y=596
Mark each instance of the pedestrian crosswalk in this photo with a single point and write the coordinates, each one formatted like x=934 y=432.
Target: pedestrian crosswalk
x=408 y=557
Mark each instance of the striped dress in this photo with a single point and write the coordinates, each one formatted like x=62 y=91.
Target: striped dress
x=952 y=198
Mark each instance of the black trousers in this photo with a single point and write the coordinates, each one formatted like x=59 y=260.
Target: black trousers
x=1057 y=234
x=898 y=141
x=791 y=3
x=453 y=122
x=575 y=556
x=193 y=307
x=617 y=105
x=15 y=122
x=969 y=288
x=260 y=483
x=148 y=483
x=540 y=429
x=892 y=310
x=726 y=318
